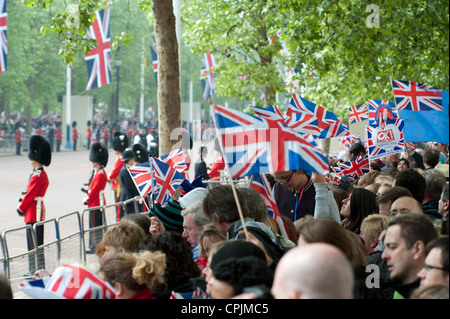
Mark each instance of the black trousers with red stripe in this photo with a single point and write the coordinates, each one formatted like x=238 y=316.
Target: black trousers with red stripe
x=30 y=244
x=95 y=236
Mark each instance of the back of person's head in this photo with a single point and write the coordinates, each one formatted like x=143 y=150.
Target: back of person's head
x=373 y=225
x=125 y=235
x=326 y=230
x=431 y=157
x=141 y=220
x=356 y=149
x=313 y=271
x=237 y=249
x=368 y=178
x=414 y=227
x=5 y=288
x=256 y=207
x=220 y=203
x=431 y=292
x=392 y=194
x=180 y=265
x=241 y=273
x=435 y=183
x=361 y=290
x=135 y=271
x=445 y=192
x=413 y=181
x=384 y=178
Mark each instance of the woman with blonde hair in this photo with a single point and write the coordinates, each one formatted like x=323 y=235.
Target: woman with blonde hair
x=133 y=275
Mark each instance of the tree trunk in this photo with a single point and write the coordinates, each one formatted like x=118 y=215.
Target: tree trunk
x=168 y=93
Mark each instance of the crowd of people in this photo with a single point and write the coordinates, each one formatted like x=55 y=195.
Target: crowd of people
x=216 y=241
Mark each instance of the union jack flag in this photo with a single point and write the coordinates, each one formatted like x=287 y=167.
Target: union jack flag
x=98 y=59
x=262 y=186
x=254 y=145
x=379 y=147
x=358 y=113
x=141 y=175
x=306 y=117
x=155 y=63
x=207 y=75
x=166 y=181
x=355 y=168
x=349 y=140
x=333 y=179
x=415 y=96
x=3 y=40
x=175 y=159
x=375 y=106
x=196 y=294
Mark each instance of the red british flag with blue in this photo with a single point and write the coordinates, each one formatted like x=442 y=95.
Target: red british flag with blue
x=413 y=96
x=141 y=175
x=3 y=40
x=255 y=145
x=175 y=159
x=358 y=113
x=381 y=142
x=98 y=59
x=355 y=168
x=262 y=186
x=307 y=117
x=165 y=181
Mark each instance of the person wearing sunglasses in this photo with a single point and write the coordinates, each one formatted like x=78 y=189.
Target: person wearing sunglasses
x=294 y=193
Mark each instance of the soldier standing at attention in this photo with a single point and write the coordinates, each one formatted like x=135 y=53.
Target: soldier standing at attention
x=120 y=143
x=95 y=197
x=31 y=206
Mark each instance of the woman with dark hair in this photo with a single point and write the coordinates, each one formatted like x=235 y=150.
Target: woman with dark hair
x=402 y=164
x=182 y=273
x=356 y=207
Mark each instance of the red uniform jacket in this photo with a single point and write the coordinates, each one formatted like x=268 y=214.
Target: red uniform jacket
x=18 y=137
x=89 y=133
x=95 y=195
x=58 y=134
x=114 y=176
x=74 y=134
x=32 y=204
x=218 y=165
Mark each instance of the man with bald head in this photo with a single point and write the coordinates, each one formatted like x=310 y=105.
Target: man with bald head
x=405 y=203
x=313 y=271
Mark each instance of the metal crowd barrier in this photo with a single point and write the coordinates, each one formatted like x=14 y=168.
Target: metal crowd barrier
x=68 y=242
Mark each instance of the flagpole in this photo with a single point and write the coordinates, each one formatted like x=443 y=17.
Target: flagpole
x=229 y=176
x=142 y=197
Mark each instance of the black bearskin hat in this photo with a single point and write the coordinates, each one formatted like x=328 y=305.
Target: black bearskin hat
x=99 y=154
x=39 y=150
x=88 y=123
x=140 y=153
x=74 y=123
x=120 y=142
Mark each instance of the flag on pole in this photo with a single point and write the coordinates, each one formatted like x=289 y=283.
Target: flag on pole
x=141 y=176
x=98 y=59
x=413 y=96
x=355 y=168
x=262 y=186
x=307 y=117
x=358 y=113
x=381 y=113
x=165 y=181
x=254 y=145
x=155 y=63
x=3 y=40
x=207 y=75
x=175 y=159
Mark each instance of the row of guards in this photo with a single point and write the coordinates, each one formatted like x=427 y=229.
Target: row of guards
x=66 y=240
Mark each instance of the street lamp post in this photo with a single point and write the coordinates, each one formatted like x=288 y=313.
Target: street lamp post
x=118 y=64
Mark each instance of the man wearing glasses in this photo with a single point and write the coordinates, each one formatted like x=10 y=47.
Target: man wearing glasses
x=294 y=194
x=435 y=270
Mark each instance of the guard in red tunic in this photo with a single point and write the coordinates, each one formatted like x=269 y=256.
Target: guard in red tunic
x=74 y=135
x=95 y=197
x=120 y=143
x=31 y=205
x=58 y=136
x=88 y=135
